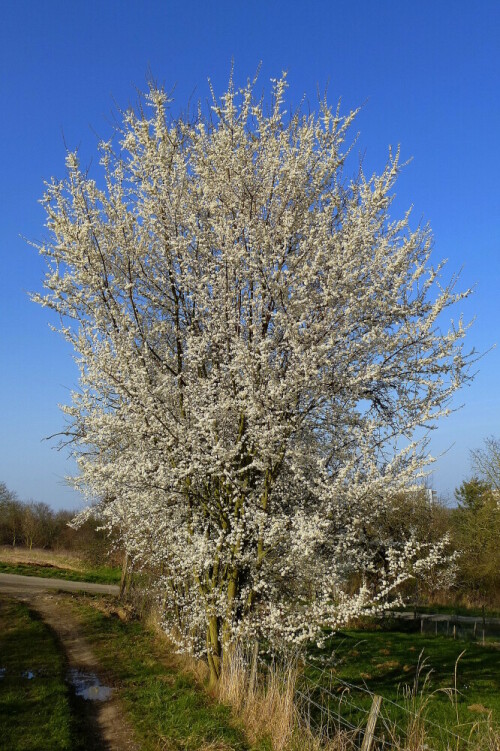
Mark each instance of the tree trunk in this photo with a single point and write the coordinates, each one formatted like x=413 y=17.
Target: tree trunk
x=123 y=579
x=213 y=651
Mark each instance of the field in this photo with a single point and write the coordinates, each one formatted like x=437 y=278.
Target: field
x=55 y=564
x=442 y=682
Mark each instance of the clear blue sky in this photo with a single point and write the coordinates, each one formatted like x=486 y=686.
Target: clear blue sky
x=428 y=74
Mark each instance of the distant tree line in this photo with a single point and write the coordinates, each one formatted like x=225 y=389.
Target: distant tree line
x=476 y=530
x=33 y=524
x=471 y=574
x=473 y=526
x=476 y=527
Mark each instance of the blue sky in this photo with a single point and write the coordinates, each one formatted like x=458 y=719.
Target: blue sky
x=426 y=73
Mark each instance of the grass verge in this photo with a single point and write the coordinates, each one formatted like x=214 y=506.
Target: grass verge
x=35 y=703
x=96 y=575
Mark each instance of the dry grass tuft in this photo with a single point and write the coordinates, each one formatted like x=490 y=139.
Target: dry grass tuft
x=389 y=665
x=267 y=705
x=264 y=700
x=305 y=740
x=488 y=738
x=478 y=708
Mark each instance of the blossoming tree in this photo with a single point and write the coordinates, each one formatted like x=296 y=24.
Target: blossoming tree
x=259 y=345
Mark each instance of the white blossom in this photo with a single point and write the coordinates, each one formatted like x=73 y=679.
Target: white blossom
x=260 y=353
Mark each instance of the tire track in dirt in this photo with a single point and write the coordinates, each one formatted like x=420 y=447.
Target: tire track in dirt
x=113 y=731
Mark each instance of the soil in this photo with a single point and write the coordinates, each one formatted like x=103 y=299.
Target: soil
x=104 y=723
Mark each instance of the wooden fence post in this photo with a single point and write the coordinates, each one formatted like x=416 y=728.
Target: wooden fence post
x=370 y=725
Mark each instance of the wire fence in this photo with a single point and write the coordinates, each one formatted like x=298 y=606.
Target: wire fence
x=330 y=706
x=340 y=704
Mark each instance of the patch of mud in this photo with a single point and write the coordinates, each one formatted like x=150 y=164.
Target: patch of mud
x=88 y=686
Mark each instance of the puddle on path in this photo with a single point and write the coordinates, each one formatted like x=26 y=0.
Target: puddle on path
x=2 y=672
x=88 y=685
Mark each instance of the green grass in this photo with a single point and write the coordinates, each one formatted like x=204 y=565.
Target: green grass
x=95 y=575
x=386 y=661
x=34 y=713
x=167 y=708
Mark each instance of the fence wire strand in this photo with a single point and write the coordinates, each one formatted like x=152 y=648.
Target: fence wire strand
x=342 y=699
x=386 y=700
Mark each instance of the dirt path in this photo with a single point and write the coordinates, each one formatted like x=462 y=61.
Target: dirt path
x=112 y=731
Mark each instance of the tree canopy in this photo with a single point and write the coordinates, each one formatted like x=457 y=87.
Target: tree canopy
x=486 y=462
x=260 y=350
x=476 y=532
